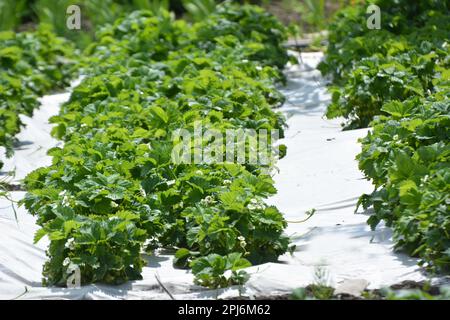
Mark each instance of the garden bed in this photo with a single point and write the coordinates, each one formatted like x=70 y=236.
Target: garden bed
x=319 y=172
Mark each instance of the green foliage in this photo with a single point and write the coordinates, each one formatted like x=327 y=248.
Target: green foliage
x=313 y=292
x=313 y=12
x=153 y=5
x=11 y=13
x=262 y=34
x=320 y=289
x=31 y=63
x=25 y=14
x=52 y=12
x=199 y=9
x=372 y=67
x=423 y=293
x=113 y=189
x=215 y=271
x=407 y=156
x=397 y=80
x=416 y=294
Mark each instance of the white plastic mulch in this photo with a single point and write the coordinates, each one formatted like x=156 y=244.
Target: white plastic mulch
x=318 y=172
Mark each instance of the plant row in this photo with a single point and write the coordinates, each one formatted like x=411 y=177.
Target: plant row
x=31 y=64
x=370 y=67
x=20 y=14
x=397 y=80
x=114 y=193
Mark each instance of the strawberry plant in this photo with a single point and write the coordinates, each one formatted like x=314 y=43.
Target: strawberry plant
x=31 y=64
x=215 y=271
x=372 y=67
x=396 y=80
x=407 y=158
x=113 y=189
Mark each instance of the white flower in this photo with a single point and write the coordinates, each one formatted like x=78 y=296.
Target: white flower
x=65 y=201
x=70 y=244
x=242 y=241
x=395 y=137
x=207 y=201
x=65 y=197
x=199 y=172
x=226 y=182
x=255 y=205
x=66 y=262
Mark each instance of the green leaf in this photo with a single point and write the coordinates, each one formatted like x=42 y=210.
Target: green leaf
x=39 y=235
x=159 y=112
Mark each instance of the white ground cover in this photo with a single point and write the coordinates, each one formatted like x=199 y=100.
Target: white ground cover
x=318 y=172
